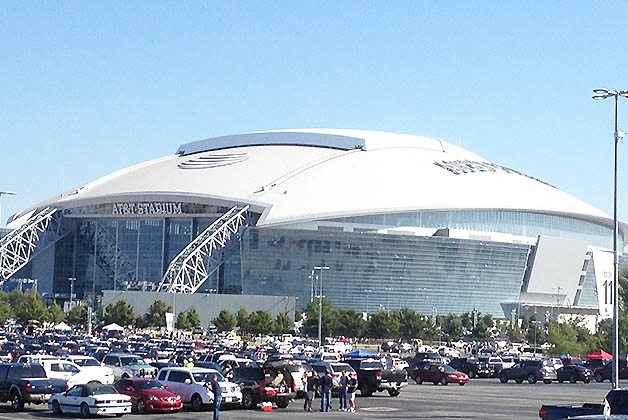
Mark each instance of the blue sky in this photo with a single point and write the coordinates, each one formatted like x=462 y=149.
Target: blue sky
x=87 y=88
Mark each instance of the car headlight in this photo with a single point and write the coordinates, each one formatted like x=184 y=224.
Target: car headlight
x=152 y=398
x=178 y=397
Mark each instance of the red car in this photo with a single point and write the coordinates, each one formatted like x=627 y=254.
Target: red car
x=437 y=373
x=149 y=395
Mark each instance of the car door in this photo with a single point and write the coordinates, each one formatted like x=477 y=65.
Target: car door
x=70 y=401
x=114 y=363
x=176 y=383
x=4 y=386
x=55 y=370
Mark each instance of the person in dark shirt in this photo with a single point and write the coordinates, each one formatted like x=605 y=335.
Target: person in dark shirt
x=312 y=384
x=326 y=385
x=217 y=396
x=352 y=386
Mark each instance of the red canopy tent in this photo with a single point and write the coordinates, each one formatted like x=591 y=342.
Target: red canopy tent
x=600 y=354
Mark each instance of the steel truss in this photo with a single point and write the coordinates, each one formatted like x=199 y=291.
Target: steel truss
x=41 y=230
x=116 y=265
x=203 y=256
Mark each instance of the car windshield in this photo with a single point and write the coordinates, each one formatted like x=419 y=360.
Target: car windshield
x=100 y=390
x=206 y=376
x=26 y=371
x=446 y=368
x=371 y=365
x=129 y=361
x=86 y=362
x=340 y=367
x=149 y=385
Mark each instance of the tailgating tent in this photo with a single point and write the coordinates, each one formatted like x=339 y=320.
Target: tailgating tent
x=62 y=326
x=359 y=353
x=600 y=354
x=112 y=327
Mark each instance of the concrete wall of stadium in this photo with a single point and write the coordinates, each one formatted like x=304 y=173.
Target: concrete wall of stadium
x=208 y=306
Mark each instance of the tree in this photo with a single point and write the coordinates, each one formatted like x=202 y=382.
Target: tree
x=283 y=323
x=55 y=314
x=452 y=326
x=77 y=315
x=156 y=314
x=30 y=306
x=350 y=323
x=6 y=312
x=193 y=318
x=120 y=312
x=182 y=322
x=260 y=322
x=329 y=319
x=383 y=325
x=242 y=318
x=414 y=325
x=225 y=321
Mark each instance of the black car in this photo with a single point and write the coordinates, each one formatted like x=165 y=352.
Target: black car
x=573 y=374
x=530 y=370
x=269 y=384
x=472 y=367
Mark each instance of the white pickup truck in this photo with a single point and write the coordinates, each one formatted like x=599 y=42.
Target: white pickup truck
x=73 y=374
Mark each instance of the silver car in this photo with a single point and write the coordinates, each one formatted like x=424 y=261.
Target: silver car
x=128 y=365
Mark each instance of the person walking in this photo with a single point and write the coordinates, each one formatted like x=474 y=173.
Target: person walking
x=215 y=386
x=310 y=390
x=343 y=391
x=352 y=386
x=326 y=385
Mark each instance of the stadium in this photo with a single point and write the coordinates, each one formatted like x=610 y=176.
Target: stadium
x=381 y=220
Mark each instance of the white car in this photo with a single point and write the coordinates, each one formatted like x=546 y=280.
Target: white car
x=90 y=400
x=193 y=386
x=89 y=364
x=73 y=373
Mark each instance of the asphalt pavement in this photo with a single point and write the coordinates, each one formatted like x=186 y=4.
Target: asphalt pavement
x=479 y=399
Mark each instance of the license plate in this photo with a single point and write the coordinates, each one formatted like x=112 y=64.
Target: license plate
x=227 y=399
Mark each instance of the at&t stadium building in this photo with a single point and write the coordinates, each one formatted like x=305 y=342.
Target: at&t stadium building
x=387 y=220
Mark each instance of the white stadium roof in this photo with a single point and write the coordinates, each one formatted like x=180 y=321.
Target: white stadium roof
x=309 y=174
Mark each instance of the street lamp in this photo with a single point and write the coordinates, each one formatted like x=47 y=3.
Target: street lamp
x=1 y=194
x=320 y=305
x=72 y=280
x=604 y=94
x=368 y=294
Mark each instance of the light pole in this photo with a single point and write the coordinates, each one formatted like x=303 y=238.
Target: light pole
x=1 y=194
x=320 y=305
x=72 y=280
x=604 y=94
x=368 y=294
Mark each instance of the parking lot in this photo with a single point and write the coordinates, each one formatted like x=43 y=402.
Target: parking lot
x=480 y=399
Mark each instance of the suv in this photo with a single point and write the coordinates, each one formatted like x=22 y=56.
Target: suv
x=335 y=368
x=373 y=376
x=532 y=370
x=24 y=383
x=72 y=373
x=128 y=365
x=296 y=368
x=268 y=384
x=193 y=386
x=472 y=367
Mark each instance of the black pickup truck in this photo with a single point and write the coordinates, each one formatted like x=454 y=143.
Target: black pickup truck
x=27 y=383
x=373 y=376
x=615 y=406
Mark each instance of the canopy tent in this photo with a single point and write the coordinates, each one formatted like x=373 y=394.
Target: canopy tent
x=600 y=354
x=359 y=353
x=112 y=327
x=62 y=326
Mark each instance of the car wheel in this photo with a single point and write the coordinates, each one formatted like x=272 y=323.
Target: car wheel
x=586 y=380
x=572 y=379
x=598 y=377
x=443 y=381
x=283 y=403
x=531 y=379
x=16 y=401
x=394 y=392
x=141 y=406
x=471 y=374
x=503 y=379
x=197 y=402
x=418 y=380
x=56 y=408
x=461 y=383
x=519 y=381
x=119 y=414
x=247 y=400
x=548 y=381
x=84 y=410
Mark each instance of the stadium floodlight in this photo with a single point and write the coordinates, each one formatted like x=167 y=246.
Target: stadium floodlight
x=320 y=305
x=603 y=94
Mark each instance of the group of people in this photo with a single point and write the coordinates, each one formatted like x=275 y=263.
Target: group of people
x=347 y=384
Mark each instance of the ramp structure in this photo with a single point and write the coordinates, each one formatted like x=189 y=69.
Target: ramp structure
x=204 y=255
x=41 y=230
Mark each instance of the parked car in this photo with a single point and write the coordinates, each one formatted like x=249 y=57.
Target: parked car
x=373 y=376
x=27 y=383
x=91 y=365
x=268 y=384
x=472 y=367
x=149 y=395
x=605 y=372
x=193 y=386
x=128 y=365
x=574 y=373
x=495 y=362
x=336 y=368
x=87 y=400
x=296 y=369
x=530 y=370
x=614 y=406
x=438 y=373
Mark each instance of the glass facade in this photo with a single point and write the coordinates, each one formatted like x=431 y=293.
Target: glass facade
x=504 y=221
x=373 y=271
